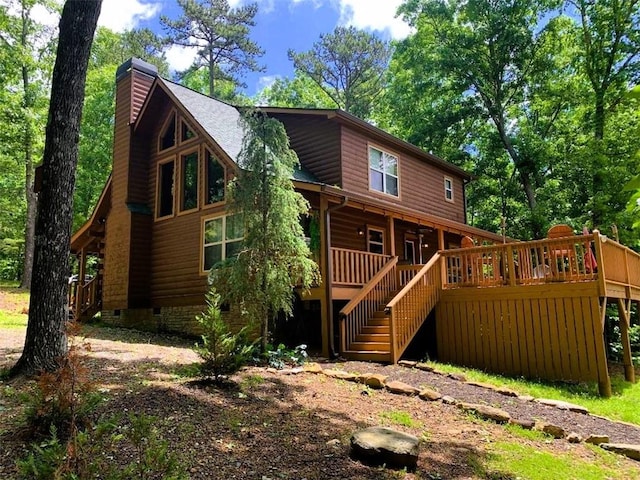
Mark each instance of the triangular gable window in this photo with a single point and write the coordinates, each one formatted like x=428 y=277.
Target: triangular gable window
x=168 y=135
x=186 y=132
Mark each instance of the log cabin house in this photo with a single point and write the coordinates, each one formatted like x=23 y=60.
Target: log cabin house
x=388 y=222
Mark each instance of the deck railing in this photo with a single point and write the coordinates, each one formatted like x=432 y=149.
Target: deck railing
x=568 y=259
x=354 y=267
x=618 y=264
x=82 y=298
x=370 y=299
x=409 y=308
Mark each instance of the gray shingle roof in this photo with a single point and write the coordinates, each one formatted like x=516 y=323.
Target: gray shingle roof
x=220 y=120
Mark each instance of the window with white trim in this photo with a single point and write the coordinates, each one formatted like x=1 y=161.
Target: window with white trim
x=448 y=189
x=383 y=171
x=222 y=239
x=375 y=240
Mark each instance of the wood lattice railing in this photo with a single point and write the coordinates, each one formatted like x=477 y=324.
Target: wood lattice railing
x=411 y=306
x=357 y=312
x=567 y=259
x=354 y=267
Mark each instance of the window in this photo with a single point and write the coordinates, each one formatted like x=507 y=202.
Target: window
x=189 y=181
x=168 y=135
x=383 y=171
x=222 y=239
x=165 y=189
x=375 y=240
x=448 y=189
x=215 y=179
x=185 y=132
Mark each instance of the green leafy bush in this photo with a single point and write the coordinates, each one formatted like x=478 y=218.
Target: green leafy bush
x=283 y=356
x=222 y=351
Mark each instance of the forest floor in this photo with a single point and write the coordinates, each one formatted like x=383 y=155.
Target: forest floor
x=268 y=425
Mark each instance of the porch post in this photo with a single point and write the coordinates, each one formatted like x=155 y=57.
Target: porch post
x=325 y=258
x=80 y=284
x=624 y=313
x=392 y=235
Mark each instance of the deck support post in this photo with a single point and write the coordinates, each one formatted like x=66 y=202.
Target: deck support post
x=624 y=314
x=604 y=380
x=325 y=258
x=392 y=235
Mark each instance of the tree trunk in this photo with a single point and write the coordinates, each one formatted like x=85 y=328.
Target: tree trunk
x=30 y=196
x=597 y=160
x=211 y=79
x=46 y=340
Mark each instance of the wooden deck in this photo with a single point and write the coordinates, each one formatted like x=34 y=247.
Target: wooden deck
x=535 y=309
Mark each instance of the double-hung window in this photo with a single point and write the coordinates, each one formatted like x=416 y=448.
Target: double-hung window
x=222 y=239
x=448 y=189
x=383 y=171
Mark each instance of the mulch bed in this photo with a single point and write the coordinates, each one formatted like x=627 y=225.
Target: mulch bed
x=273 y=426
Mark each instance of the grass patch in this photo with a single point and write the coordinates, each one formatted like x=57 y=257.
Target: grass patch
x=398 y=417
x=514 y=460
x=12 y=320
x=621 y=406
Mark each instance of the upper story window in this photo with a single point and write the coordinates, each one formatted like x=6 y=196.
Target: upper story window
x=168 y=136
x=448 y=189
x=189 y=181
x=222 y=239
x=166 y=172
x=186 y=133
x=214 y=179
x=383 y=171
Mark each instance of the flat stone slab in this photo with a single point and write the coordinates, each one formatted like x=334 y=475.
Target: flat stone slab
x=429 y=395
x=373 y=380
x=382 y=445
x=425 y=367
x=312 y=367
x=596 y=439
x=628 y=450
x=554 y=430
x=486 y=412
x=526 y=424
x=402 y=388
x=340 y=374
x=563 y=405
x=407 y=363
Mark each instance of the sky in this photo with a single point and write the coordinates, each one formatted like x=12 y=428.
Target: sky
x=280 y=25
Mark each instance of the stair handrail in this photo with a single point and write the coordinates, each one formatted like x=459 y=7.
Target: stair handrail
x=425 y=307
x=353 y=303
x=367 y=291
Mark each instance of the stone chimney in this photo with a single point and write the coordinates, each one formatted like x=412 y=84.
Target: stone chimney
x=134 y=79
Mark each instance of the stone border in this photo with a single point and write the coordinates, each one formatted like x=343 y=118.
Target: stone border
x=378 y=381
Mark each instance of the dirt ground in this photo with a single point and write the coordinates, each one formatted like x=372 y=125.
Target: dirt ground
x=272 y=426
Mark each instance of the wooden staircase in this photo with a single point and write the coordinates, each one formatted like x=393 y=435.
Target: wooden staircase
x=373 y=343
x=379 y=323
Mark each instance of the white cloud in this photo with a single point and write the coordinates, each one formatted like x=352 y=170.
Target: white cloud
x=266 y=81
x=180 y=58
x=120 y=16
x=374 y=15
x=44 y=16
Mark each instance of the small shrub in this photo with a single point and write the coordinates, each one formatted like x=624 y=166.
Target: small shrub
x=62 y=400
x=89 y=454
x=222 y=352
x=282 y=356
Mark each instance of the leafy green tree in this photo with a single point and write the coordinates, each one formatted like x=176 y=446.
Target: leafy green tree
x=609 y=56
x=473 y=64
x=221 y=36
x=348 y=65
x=226 y=90
x=46 y=341
x=275 y=256
x=299 y=92
x=27 y=66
